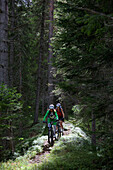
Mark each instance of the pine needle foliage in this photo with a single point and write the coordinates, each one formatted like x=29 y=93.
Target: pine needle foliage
x=83 y=45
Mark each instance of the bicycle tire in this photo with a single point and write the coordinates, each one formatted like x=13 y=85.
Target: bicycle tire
x=50 y=136
x=58 y=132
x=61 y=133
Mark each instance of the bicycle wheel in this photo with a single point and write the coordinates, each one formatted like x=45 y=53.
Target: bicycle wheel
x=59 y=129
x=58 y=132
x=61 y=132
x=50 y=136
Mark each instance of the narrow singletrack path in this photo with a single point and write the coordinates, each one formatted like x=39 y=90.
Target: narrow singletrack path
x=46 y=150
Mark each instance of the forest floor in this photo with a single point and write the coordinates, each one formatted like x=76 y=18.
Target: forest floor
x=43 y=156
x=71 y=135
x=71 y=151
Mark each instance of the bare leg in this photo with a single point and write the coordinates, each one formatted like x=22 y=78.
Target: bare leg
x=61 y=124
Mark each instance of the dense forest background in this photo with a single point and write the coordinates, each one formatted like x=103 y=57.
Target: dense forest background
x=56 y=51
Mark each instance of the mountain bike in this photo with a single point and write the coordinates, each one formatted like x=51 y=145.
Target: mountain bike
x=51 y=131
x=50 y=134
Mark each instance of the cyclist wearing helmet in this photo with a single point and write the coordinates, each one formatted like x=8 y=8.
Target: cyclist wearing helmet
x=60 y=113
x=52 y=117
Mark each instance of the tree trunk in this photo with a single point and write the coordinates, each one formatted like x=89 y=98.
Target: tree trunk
x=12 y=138
x=50 y=68
x=20 y=89
x=65 y=112
x=41 y=53
x=4 y=42
x=43 y=94
x=20 y=73
x=93 y=131
x=11 y=60
x=44 y=86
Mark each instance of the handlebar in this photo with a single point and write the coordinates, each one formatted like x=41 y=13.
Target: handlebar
x=51 y=121
x=44 y=121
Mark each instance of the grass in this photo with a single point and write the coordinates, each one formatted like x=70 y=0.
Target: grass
x=71 y=152
x=22 y=164
x=68 y=156
x=64 y=156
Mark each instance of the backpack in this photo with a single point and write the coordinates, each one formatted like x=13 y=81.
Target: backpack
x=59 y=113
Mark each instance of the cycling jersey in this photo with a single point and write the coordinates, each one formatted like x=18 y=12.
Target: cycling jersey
x=59 y=112
x=48 y=113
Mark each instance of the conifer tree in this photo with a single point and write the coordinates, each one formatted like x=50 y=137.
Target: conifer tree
x=41 y=53
x=50 y=67
x=4 y=42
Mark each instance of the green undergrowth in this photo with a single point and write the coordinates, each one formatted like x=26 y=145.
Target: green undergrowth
x=29 y=133
x=30 y=149
x=33 y=130
x=69 y=156
x=79 y=123
x=26 y=150
x=28 y=143
x=72 y=151
x=21 y=164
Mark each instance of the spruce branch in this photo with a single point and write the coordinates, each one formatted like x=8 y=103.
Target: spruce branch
x=94 y=12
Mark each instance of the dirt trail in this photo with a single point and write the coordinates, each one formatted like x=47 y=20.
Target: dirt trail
x=43 y=155
x=46 y=151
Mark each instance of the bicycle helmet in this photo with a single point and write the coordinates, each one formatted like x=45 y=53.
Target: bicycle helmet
x=58 y=105
x=51 y=106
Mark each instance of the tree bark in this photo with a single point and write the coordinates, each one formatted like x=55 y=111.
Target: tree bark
x=65 y=112
x=41 y=53
x=4 y=42
x=50 y=68
x=11 y=60
x=12 y=138
x=20 y=73
x=20 y=89
x=43 y=94
x=44 y=86
x=93 y=131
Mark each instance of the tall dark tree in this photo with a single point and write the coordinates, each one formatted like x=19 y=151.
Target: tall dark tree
x=93 y=131
x=41 y=53
x=11 y=57
x=50 y=67
x=4 y=41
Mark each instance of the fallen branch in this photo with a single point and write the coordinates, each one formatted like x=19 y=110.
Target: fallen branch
x=94 y=12
x=108 y=25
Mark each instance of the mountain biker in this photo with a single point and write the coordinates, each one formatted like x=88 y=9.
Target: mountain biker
x=60 y=113
x=52 y=117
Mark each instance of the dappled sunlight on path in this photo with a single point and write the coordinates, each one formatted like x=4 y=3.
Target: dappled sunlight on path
x=71 y=135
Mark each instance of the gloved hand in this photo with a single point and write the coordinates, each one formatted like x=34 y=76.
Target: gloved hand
x=63 y=119
x=44 y=121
